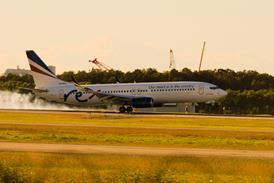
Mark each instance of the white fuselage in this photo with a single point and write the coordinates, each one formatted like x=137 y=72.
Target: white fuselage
x=160 y=92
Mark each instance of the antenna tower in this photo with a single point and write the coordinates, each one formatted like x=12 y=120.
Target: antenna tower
x=202 y=56
x=171 y=60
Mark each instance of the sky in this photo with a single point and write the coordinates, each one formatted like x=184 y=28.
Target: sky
x=128 y=34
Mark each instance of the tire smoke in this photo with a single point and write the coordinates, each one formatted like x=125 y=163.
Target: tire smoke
x=13 y=100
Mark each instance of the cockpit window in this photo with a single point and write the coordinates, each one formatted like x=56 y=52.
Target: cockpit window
x=214 y=87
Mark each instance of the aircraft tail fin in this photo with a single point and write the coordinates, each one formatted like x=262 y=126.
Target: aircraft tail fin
x=42 y=75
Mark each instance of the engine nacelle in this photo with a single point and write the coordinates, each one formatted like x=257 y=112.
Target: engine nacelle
x=142 y=102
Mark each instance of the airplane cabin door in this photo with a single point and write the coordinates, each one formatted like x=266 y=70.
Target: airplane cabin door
x=135 y=91
x=201 y=89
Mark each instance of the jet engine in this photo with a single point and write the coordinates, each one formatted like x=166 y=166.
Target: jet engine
x=142 y=102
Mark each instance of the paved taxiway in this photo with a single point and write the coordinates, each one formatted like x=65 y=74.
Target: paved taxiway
x=131 y=150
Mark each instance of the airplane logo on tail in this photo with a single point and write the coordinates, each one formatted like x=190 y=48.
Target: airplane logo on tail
x=37 y=65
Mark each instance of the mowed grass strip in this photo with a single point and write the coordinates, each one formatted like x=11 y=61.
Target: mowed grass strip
x=137 y=136
x=48 y=167
x=135 y=120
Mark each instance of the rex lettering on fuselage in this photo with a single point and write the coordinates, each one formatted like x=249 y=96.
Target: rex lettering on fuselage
x=78 y=95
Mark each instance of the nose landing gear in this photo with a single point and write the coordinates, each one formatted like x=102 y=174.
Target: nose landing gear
x=124 y=109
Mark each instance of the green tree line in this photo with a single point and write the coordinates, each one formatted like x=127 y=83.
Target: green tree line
x=242 y=102
x=13 y=82
x=249 y=92
x=225 y=78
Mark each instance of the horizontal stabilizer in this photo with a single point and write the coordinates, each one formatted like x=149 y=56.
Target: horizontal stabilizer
x=33 y=90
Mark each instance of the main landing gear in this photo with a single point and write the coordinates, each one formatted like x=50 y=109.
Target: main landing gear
x=124 y=109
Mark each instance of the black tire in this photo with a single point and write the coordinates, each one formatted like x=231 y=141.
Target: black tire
x=122 y=109
x=129 y=109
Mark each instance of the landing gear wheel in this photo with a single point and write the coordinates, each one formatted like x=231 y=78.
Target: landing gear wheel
x=129 y=109
x=122 y=109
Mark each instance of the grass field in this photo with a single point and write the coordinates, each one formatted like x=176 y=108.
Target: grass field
x=44 y=167
x=115 y=129
x=150 y=131
x=137 y=136
x=136 y=120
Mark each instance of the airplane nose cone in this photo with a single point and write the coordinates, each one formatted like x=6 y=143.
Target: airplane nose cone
x=223 y=93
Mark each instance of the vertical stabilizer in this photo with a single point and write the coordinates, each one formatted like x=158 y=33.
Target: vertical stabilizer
x=42 y=75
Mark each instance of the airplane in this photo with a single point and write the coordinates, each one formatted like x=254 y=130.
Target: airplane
x=125 y=95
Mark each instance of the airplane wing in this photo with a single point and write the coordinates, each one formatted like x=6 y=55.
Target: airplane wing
x=115 y=98
x=138 y=102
